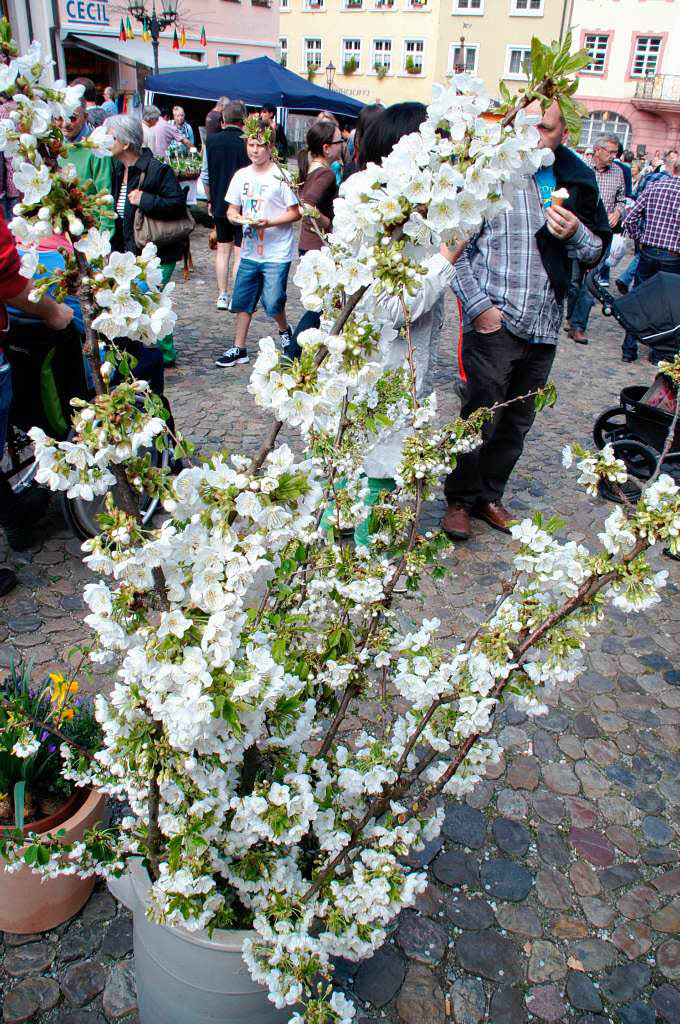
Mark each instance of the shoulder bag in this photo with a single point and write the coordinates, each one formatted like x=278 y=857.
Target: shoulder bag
x=161 y=232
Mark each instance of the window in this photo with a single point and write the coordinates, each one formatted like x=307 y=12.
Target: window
x=532 y=7
x=351 y=54
x=384 y=4
x=515 y=58
x=314 y=5
x=604 y=122
x=469 y=60
x=196 y=55
x=382 y=55
x=597 y=49
x=311 y=55
x=283 y=52
x=283 y=5
x=413 y=56
x=468 y=6
x=646 y=56
x=353 y=5
x=415 y=5
x=223 y=59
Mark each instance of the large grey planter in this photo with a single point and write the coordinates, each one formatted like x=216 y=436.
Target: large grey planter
x=189 y=977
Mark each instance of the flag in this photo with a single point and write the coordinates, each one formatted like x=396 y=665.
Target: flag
x=146 y=31
x=175 y=41
x=129 y=31
x=122 y=35
x=183 y=37
x=204 y=38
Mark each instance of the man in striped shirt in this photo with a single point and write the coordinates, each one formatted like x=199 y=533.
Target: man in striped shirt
x=612 y=186
x=654 y=223
x=511 y=280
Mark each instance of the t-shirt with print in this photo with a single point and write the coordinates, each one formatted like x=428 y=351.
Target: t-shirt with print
x=264 y=196
x=545 y=179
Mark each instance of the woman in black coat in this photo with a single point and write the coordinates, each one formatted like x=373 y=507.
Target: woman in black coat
x=157 y=194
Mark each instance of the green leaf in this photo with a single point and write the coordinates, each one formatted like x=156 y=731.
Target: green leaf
x=19 y=794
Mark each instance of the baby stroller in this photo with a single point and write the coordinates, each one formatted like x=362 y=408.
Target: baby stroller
x=637 y=428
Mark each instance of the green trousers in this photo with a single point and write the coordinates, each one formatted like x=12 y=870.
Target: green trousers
x=167 y=344
x=377 y=486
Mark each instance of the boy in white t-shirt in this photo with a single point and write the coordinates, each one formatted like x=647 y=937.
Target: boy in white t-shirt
x=260 y=200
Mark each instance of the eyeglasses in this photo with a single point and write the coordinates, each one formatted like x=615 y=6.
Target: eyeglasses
x=335 y=142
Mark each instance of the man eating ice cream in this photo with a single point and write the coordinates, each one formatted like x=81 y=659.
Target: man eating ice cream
x=511 y=280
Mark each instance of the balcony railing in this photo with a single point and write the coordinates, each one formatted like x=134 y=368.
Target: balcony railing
x=663 y=88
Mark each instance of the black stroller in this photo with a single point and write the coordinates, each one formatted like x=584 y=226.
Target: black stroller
x=637 y=428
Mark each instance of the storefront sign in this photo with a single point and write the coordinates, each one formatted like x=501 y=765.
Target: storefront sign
x=354 y=92
x=87 y=12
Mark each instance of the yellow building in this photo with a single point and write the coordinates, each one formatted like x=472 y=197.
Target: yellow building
x=393 y=50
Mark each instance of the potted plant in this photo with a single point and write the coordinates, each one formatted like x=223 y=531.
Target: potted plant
x=350 y=66
x=411 y=67
x=311 y=72
x=380 y=70
x=186 y=165
x=261 y=826
x=35 y=797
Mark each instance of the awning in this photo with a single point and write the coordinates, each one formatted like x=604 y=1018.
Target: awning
x=134 y=52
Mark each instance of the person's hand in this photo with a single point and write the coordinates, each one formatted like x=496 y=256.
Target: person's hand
x=135 y=196
x=489 y=321
x=452 y=254
x=210 y=213
x=561 y=223
x=614 y=218
x=58 y=316
x=261 y=222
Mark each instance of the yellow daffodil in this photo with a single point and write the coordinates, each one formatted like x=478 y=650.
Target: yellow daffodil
x=61 y=691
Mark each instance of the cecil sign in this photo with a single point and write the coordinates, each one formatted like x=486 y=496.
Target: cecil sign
x=87 y=12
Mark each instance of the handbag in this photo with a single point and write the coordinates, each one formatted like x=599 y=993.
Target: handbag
x=161 y=232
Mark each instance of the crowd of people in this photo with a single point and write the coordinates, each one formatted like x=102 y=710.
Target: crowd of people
x=511 y=279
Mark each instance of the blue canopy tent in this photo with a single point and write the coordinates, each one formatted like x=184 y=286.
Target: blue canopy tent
x=255 y=82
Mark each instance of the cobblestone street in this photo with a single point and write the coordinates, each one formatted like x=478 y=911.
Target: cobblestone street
x=555 y=889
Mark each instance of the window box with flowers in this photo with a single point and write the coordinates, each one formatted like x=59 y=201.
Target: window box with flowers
x=381 y=70
x=384 y=4
x=311 y=71
x=350 y=66
x=412 y=68
x=354 y=5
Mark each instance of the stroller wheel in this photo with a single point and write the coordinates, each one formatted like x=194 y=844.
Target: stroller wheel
x=609 y=425
x=640 y=461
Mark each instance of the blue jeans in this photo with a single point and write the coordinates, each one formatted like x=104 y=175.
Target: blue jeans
x=255 y=281
x=652 y=260
x=628 y=275
x=5 y=399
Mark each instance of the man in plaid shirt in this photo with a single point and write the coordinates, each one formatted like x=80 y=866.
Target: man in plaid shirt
x=612 y=186
x=511 y=280
x=654 y=223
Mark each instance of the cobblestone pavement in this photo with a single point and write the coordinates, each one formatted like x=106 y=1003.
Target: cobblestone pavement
x=555 y=889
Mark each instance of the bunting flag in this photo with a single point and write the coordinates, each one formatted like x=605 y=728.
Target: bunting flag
x=129 y=31
x=183 y=37
x=146 y=31
x=122 y=34
x=175 y=41
x=204 y=38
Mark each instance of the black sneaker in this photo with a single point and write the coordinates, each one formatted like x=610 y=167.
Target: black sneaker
x=286 y=338
x=8 y=581
x=233 y=356
x=621 y=285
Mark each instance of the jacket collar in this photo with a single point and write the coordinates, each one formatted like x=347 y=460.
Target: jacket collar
x=571 y=169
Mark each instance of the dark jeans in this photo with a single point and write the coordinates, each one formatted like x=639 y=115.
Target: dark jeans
x=652 y=260
x=499 y=366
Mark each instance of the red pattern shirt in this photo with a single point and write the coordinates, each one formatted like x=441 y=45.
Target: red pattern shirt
x=655 y=218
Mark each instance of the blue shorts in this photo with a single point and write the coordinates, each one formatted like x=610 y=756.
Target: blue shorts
x=255 y=281
x=5 y=399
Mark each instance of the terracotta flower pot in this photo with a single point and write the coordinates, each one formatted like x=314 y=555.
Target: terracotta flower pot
x=27 y=904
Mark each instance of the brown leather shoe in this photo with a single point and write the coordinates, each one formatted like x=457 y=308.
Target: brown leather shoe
x=493 y=513
x=456 y=522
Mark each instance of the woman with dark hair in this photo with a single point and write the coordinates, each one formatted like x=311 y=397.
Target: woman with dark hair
x=384 y=131
x=426 y=312
x=318 y=191
x=367 y=116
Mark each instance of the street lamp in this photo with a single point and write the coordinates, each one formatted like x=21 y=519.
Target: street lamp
x=330 y=74
x=156 y=22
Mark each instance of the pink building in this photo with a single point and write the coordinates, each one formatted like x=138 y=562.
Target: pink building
x=83 y=36
x=632 y=85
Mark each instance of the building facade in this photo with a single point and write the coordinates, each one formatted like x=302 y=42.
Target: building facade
x=83 y=37
x=393 y=50
x=632 y=85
